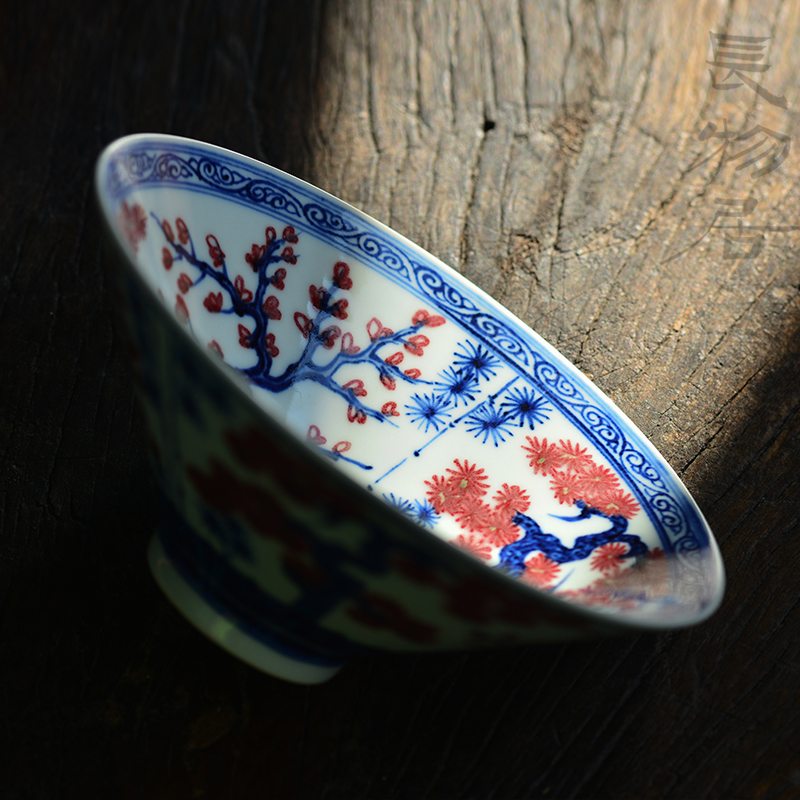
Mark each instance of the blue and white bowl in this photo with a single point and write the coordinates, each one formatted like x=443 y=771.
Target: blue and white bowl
x=357 y=448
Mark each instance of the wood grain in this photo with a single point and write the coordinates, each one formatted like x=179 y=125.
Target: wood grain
x=549 y=152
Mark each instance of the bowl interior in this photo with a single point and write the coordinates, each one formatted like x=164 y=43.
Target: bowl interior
x=411 y=380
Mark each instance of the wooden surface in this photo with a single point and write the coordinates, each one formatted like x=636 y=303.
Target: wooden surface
x=547 y=151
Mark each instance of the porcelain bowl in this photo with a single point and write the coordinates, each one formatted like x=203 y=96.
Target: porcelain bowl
x=358 y=449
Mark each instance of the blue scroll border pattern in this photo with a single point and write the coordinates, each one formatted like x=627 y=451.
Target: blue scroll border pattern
x=192 y=168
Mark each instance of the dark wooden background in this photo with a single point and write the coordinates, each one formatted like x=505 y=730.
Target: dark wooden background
x=543 y=149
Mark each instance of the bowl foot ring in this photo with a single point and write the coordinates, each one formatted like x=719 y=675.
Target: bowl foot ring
x=223 y=631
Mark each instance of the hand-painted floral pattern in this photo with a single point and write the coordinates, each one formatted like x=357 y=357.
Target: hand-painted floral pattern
x=500 y=531
x=254 y=304
x=133 y=222
x=575 y=476
x=494 y=523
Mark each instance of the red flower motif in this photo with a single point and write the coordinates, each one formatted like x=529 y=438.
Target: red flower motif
x=271 y=307
x=315 y=436
x=609 y=558
x=277 y=280
x=304 y=324
x=330 y=335
x=183 y=231
x=341 y=275
x=288 y=255
x=512 y=499
x=565 y=487
x=618 y=504
x=415 y=344
x=167 y=228
x=388 y=381
x=443 y=495
x=383 y=613
x=544 y=457
x=468 y=479
x=394 y=359
x=575 y=458
x=134 y=223
x=540 y=571
x=420 y=317
x=473 y=515
x=356 y=415
x=244 y=293
x=356 y=386
x=423 y=317
x=255 y=255
x=348 y=346
x=412 y=373
x=289 y=235
x=499 y=529
x=317 y=295
x=245 y=337
x=596 y=481
x=180 y=309
x=213 y=302
x=269 y=344
x=214 y=347
x=474 y=545
x=166 y=258
x=375 y=329
x=390 y=409
x=270 y=234
x=339 y=309
x=214 y=250
x=184 y=282
x=341 y=447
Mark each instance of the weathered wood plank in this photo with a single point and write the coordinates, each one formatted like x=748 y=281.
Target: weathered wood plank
x=549 y=152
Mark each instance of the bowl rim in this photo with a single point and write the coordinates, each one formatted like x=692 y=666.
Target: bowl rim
x=604 y=622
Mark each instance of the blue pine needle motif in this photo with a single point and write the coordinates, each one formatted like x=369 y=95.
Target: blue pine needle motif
x=421 y=511
x=424 y=513
x=403 y=506
x=460 y=385
x=526 y=406
x=490 y=422
x=429 y=410
x=477 y=360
